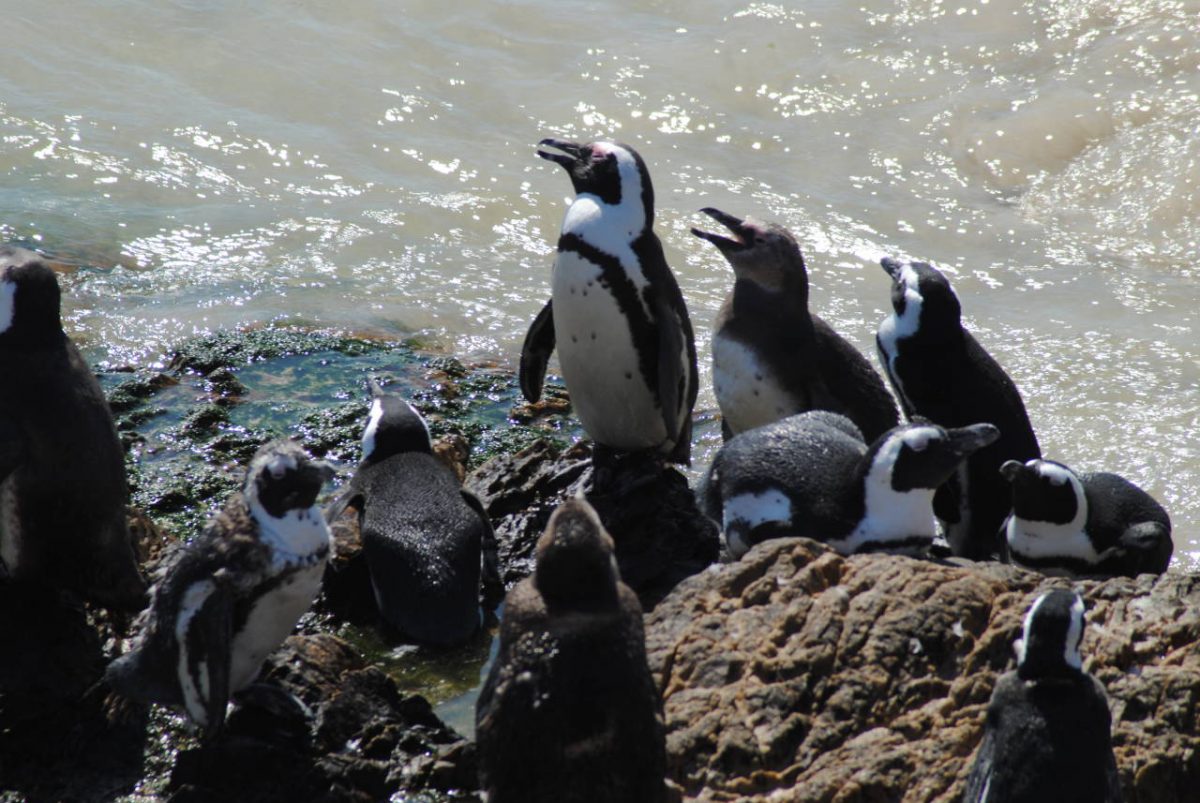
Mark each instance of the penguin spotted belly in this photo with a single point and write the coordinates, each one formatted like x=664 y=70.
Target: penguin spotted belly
x=599 y=361
x=746 y=391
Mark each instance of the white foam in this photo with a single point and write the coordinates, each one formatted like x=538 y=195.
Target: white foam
x=8 y=295
x=750 y=510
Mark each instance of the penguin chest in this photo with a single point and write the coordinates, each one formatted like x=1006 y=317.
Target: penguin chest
x=747 y=390
x=1041 y=544
x=600 y=359
x=274 y=609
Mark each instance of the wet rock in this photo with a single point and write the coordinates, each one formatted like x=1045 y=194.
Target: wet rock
x=134 y=391
x=799 y=674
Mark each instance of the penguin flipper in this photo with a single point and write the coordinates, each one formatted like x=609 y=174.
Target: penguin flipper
x=672 y=379
x=335 y=509
x=492 y=586
x=205 y=657
x=535 y=353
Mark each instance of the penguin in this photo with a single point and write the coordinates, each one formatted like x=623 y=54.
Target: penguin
x=1083 y=524
x=569 y=711
x=939 y=371
x=813 y=475
x=771 y=357
x=1047 y=736
x=62 y=468
x=616 y=313
x=234 y=593
x=423 y=535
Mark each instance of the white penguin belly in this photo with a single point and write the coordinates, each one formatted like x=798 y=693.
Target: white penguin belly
x=599 y=362
x=747 y=392
x=271 y=620
x=1046 y=540
x=746 y=511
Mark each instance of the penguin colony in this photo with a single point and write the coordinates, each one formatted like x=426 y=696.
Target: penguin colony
x=814 y=447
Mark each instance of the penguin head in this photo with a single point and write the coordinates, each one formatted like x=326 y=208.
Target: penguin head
x=610 y=171
x=575 y=563
x=1049 y=644
x=29 y=297
x=922 y=298
x=1043 y=490
x=393 y=426
x=766 y=254
x=922 y=455
x=283 y=478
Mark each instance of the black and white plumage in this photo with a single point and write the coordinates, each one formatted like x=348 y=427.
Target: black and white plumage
x=812 y=475
x=1047 y=736
x=773 y=358
x=569 y=711
x=940 y=372
x=423 y=535
x=1083 y=524
x=62 y=469
x=234 y=593
x=616 y=313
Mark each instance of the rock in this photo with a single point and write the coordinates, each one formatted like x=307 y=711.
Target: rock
x=661 y=536
x=799 y=674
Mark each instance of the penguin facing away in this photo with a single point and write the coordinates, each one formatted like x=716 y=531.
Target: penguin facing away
x=940 y=372
x=773 y=358
x=616 y=314
x=62 y=468
x=1083 y=524
x=234 y=593
x=569 y=711
x=812 y=475
x=424 y=536
x=1047 y=734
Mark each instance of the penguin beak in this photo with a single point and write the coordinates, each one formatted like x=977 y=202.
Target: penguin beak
x=726 y=245
x=572 y=152
x=968 y=440
x=892 y=266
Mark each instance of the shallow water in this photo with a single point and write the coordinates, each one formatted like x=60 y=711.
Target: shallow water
x=205 y=165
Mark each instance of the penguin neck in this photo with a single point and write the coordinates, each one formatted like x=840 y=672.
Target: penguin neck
x=298 y=536
x=752 y=302
x=611 y=228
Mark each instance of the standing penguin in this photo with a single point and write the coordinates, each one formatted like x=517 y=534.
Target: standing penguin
x=569 y=711
x=1047 y=737
x=234 y=593
x=812 y=475
x=771 y=357
x=62 y=470
x=939 y=371
x=1083 y=524
x=422 y=533
x=616 y=313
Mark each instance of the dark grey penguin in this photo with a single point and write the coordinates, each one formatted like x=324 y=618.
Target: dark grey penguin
x=423 y=535
x=812 y=475
x=1083 y=524
x=773 y=358
x=569 y=712
x=940 y=372
x=1047 y=737
x=616 y=314
x=62 y=469
x=234 y=593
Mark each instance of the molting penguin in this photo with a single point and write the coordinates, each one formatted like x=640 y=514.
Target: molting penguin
x=1047 y=736
x=234 y=593
x=771 y=357
x=616 y=314
x=1083 y=524
x=62 y=470
x=940 y=372
x=812 y=475
x=569 y=711
x=422 y=533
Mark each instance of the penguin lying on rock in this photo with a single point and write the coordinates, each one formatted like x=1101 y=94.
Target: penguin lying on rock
x=234 y=593
x=424 y=536
x=1047 y=737
x=773 y=358
x=812 y=475
x=1083 y=524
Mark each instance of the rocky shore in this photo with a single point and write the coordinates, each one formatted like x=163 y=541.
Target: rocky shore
x=793 y=674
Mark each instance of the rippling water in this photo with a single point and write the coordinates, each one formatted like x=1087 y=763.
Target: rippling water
x=198 y=165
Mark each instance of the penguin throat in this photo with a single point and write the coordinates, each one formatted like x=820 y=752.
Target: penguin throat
x=1042 y=540
x=612 y=228
x=298 y=537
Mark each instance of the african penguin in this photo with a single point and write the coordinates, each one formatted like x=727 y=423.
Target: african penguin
x=616 y=314
x=62 y=469
x=423 y=535
x=940 y=372
x=1047 y=734
x=773 y=358
x=569 y=710
x=812 y=475
x=1083 y=524
x=234 y=593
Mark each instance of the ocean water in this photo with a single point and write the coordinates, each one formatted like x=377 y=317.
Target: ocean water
x=370 y=167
